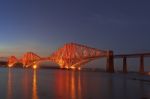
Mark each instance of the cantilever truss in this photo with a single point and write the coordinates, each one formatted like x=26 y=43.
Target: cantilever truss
x=29 y=58
x=12 y=60
x=70 y=55
x=74 y=55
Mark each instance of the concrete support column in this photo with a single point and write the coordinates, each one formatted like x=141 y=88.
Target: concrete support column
x=124 y=64
x=110 y=62
x=141 y=69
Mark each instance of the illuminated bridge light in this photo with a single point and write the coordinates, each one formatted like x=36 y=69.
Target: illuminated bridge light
x=79 y=68
x=10 y=65
x=35 y=66
x=66 y=67
x=72 y=67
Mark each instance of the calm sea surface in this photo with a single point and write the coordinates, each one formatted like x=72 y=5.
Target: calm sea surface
x=16 y=83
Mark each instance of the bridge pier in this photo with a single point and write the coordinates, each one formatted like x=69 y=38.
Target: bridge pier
x=124 y=64
x=110 y=62
x=141 y=68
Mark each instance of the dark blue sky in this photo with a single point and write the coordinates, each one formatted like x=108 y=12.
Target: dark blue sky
x=42 y=26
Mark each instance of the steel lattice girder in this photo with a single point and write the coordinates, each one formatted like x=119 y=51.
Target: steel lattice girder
x=72 y=53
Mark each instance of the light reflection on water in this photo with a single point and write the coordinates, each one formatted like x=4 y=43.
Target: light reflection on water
x=60 y=84
x=10 y=79
x=34 y=89
x=68 y=86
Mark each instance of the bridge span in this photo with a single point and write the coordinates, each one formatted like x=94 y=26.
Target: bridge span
x=73 y=55
x=141 y=57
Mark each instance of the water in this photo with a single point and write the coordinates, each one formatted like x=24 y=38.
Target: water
x=18 y=83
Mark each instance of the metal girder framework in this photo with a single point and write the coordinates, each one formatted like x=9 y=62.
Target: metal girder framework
x=36 y=62
x=29 y=58
x=73 y=54
x=70 y=55
x=12 y=60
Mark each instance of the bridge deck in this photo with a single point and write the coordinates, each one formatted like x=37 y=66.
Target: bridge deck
x=132 y=55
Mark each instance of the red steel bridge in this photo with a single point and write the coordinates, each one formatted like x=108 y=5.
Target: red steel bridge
x=73 y=55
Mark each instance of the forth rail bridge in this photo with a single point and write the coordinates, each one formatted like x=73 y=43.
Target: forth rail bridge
x=73 y=55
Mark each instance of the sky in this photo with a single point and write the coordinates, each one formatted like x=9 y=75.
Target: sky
x=42 y=26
